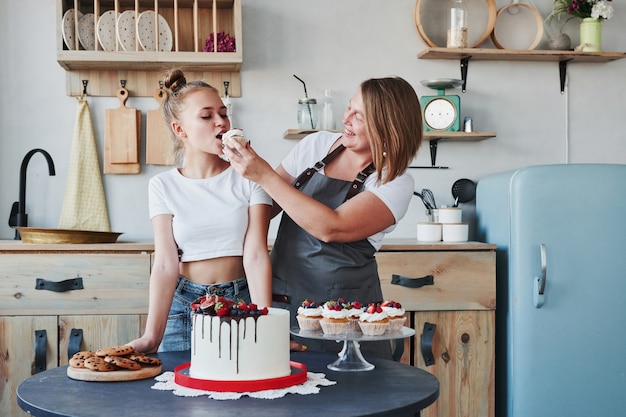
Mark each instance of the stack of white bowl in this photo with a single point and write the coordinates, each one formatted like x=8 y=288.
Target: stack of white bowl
x=446 y=225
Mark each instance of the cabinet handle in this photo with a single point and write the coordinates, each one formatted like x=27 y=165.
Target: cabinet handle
x=61 y=286
x=428 y=334
x=41 y=338
x=73 y=346
x=412 y=282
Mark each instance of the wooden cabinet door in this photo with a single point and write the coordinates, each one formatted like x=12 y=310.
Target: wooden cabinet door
x=17 y=355
x=99 y=331
x=464 y=355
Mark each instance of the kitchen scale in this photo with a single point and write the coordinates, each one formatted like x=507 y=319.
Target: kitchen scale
x=441 y=113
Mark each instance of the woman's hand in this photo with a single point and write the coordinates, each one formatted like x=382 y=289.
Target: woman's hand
x=144 y=345
x=248 y=163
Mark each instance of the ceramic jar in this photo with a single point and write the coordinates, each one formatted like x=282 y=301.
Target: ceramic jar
x=591 y=35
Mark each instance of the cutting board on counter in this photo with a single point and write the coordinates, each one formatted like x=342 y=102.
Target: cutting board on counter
x=159 y=145
x=120 y=375
x=122 y=132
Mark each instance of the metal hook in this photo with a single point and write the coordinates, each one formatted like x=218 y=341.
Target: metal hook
x=85 y=82
x=123 y=83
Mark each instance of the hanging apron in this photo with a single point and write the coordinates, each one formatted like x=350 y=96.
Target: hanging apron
x=306 y=267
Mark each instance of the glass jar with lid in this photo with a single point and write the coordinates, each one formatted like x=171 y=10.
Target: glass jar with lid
x=307 y=113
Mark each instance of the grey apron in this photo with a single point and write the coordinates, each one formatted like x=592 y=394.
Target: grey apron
x=305 y=267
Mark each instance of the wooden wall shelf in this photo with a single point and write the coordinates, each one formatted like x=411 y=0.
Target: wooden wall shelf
x=191 y=23
x=562 y=57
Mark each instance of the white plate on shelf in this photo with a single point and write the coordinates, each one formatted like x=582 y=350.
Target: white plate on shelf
x=106 y=30
x=68 y=24
x=147 y=33
x=127 y=33
x=86 y=32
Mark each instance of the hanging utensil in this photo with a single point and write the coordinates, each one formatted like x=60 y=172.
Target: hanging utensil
x=463 y=191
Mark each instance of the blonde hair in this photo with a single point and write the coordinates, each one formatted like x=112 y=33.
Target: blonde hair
x=178 y=89
x=393 y=121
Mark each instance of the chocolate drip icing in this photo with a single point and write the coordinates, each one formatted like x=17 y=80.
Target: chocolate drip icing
x=234 y=326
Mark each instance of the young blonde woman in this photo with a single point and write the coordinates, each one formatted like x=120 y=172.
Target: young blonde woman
x=210 y=225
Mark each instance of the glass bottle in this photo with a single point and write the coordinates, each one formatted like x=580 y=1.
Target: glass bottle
x=327 y=121
x=307 y=113
x=457 y=27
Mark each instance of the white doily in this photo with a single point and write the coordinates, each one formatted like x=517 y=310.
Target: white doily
x=311 y=386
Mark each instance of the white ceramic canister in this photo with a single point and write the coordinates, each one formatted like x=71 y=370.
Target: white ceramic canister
x=450 y=215
x=455 y=232
x=429 y=232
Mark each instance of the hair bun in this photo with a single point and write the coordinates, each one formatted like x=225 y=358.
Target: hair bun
x=175 y=80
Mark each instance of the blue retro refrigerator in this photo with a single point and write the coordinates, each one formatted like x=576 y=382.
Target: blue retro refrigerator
x=560 y=232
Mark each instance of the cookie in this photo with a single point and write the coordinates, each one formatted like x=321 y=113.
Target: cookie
x=84 y=354
x=77 y=362
x=96 y=363
x=123 y=362
x=145 y=359
x=115 y=351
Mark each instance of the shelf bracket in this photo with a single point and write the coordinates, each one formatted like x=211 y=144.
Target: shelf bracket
x=563 y=73
x=464 y=66
x=433 y=156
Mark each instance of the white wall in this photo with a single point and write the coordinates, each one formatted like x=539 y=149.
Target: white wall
x=331 y=44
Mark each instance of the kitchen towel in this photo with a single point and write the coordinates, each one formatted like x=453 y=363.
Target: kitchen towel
x=84 y=204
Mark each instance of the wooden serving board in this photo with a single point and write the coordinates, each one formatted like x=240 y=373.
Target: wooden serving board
x=159 y=146
x=122 y=132
x=89 y=375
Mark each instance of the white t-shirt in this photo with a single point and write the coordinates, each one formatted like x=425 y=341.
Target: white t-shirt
x=395 y=194
x=210 y=215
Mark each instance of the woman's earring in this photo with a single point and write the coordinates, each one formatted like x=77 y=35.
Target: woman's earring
x=384 y=154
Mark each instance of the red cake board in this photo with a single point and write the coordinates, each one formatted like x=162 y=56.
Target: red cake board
x=298 y=376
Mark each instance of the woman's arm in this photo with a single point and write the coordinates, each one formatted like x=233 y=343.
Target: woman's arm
x=162 y=284
x=256 y=260
x=363 y=215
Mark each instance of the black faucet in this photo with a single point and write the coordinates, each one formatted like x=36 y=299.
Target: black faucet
x=18 y=215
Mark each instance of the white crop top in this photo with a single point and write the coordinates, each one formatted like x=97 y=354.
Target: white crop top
x=210 y=215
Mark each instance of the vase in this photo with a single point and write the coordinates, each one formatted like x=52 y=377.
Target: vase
x=591 y=35
x=560 y=42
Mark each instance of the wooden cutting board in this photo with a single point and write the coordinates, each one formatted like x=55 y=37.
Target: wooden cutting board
x=121 y=138
x=89 y=375
x=159 y=145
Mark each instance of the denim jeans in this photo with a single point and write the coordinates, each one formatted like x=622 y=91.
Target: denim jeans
x=178 y=330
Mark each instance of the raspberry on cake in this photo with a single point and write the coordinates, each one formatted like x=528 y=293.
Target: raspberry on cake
x=396 y=314
x=309 y=315
x=335 y=317
x=228 y=339
x=374 y=320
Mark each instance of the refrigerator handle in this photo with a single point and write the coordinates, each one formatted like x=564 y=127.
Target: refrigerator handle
x=540 y=282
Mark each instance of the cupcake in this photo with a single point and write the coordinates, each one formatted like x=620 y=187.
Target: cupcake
x=354 y=312
x=374 y=321
x=335 y=318
x=395 y=313
x=309 y=315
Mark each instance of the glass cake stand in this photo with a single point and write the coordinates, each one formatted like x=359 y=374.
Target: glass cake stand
x=350 y=358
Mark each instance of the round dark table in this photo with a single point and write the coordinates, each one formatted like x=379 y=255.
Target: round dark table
x=391 y=388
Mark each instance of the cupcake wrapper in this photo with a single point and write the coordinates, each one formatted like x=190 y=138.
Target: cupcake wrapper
x=307 y=323
x=373 y=329
x=334 y=327
x=396 y=323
